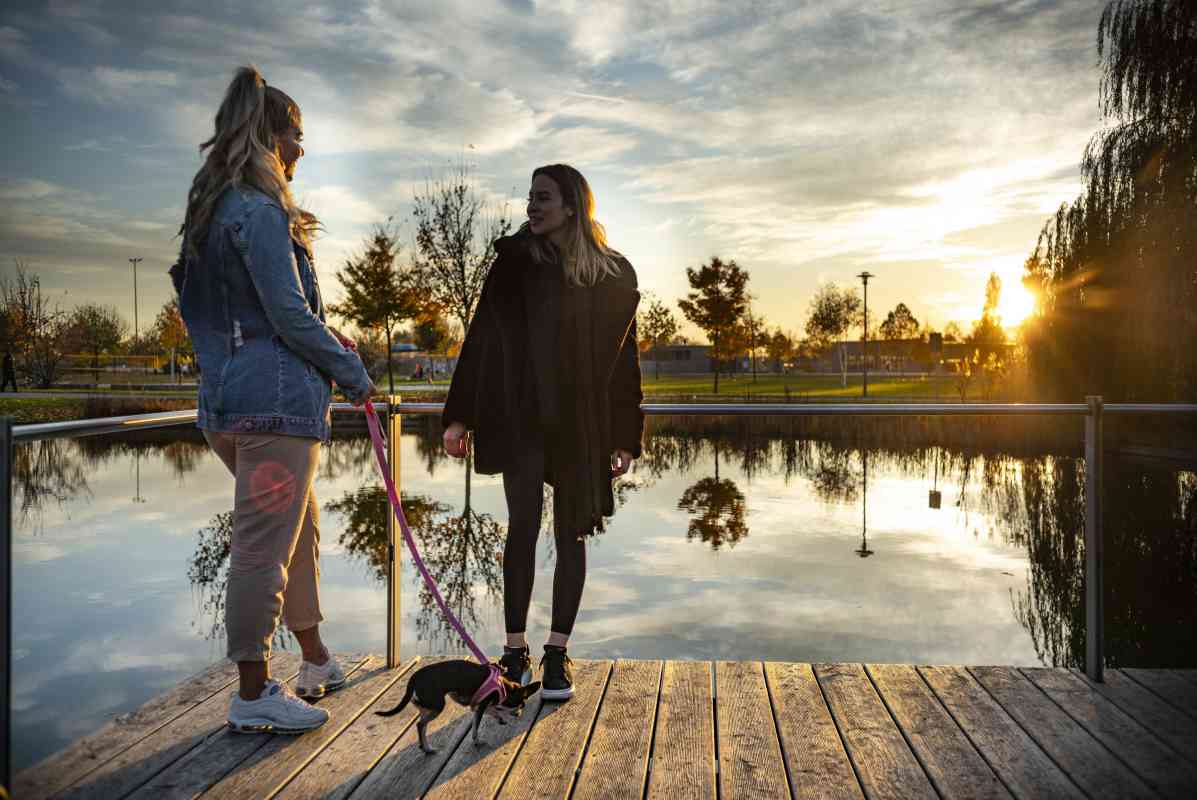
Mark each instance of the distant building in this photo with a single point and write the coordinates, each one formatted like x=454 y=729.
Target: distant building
x=676 y=359
x=898 y=355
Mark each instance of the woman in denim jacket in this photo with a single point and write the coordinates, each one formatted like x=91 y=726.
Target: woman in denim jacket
x=249 y=296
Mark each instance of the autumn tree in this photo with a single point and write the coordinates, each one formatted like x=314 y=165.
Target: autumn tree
x=657 y=327
x=716 y=304
x=780 y=346
x=378 y=296
x=95 y=329
x=899 y=324
x=35 y=327
x=833 y=312
x=171 y=332
x=754 y=335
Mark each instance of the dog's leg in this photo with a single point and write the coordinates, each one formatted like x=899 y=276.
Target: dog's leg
x=478 y=714
x=426 y=716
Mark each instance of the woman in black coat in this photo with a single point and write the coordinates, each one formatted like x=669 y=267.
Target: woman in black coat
x=548 y=384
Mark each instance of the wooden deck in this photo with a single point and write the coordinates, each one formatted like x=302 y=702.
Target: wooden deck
x=675 y=729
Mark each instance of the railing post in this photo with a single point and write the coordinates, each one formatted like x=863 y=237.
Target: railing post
x=6 y=448
x=1095 y=635
x=394 y=538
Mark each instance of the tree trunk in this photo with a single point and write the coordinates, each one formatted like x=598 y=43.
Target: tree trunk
x=390 y=372
x=469 y=461
x=657 y=360
x=715 y=362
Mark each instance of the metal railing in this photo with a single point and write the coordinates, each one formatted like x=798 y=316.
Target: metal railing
x=1093 y=410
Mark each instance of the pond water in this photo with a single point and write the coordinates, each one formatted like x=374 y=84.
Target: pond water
x=747 y=541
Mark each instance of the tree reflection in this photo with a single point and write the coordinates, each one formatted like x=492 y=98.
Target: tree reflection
x=459 y=549
x=208 y=571
x=42 y=471
x=717 y=508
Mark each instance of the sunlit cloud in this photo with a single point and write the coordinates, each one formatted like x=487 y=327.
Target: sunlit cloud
x=927 y=142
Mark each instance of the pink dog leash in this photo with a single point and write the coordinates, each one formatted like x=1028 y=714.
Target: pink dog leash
x=492 y=683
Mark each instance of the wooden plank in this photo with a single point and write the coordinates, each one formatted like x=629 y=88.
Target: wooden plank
x=954 y=766
x=683 y=761
x=76 y=761
x=816 y=761
x=616 y=762
x=884 y=763
x=140 y=763
x=270 y=767
x=1174 y=727
x=380 y=756
x=549 y=760
x=1146 y=755
x=1090 y=765
x=1012 y=754
x=472 y=771
x=750 y=761
x=1175 y=690
x=220 y=753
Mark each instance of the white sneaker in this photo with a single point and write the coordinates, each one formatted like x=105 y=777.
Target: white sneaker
x=277 y=710
x=317 y=681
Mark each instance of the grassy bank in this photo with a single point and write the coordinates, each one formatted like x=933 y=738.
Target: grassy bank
x=25 y=411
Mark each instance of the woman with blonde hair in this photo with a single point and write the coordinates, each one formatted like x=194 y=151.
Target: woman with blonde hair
x=249 y=296
x=548 y=385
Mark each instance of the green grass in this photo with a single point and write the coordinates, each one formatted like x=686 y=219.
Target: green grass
x=25 y=411
x=804 y=386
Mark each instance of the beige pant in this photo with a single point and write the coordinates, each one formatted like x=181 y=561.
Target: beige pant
x=274 y=560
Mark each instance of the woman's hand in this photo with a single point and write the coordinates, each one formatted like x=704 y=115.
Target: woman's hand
x=456 y=440
x=345 y=341
x=621 y=462
x=371 y=392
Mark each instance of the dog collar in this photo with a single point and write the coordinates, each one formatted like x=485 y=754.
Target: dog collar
x=489 y=686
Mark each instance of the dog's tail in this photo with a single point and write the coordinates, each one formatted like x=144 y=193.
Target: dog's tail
x=392 y=712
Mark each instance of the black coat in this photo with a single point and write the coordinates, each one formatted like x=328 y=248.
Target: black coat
x=516 y=320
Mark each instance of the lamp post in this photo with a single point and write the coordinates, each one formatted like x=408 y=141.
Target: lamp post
x=864 y=276
x=134 y=261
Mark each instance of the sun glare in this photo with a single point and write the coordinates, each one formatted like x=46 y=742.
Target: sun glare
x=1016 y=304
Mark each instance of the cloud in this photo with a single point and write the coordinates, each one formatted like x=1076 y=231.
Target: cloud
x=800 y=140
x=88 y=144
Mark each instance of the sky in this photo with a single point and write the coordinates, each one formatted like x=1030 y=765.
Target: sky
x=925 y=141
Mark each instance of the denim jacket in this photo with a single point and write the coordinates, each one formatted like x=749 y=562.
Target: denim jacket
x=253 y=309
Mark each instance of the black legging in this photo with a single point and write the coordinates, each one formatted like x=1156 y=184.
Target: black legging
x=524 y=486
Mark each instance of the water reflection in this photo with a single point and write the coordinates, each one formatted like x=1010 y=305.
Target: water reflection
x=461 y=550
x=208 y=571
x=1031 y=500
x=717 y=508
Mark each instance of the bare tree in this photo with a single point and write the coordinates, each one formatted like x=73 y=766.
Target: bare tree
x=455 y=233
x=35 y=327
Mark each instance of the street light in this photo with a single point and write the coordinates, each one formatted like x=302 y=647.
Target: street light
x=864 y=276
x=134 y=261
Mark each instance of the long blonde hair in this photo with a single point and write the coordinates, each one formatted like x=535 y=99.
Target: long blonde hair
x=243 y=152
x=587 y=258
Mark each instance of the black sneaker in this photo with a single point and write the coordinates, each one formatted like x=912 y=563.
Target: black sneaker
x=558 y=680
x=517 y=665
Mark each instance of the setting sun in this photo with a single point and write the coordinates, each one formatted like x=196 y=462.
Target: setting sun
x=1016 y=304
